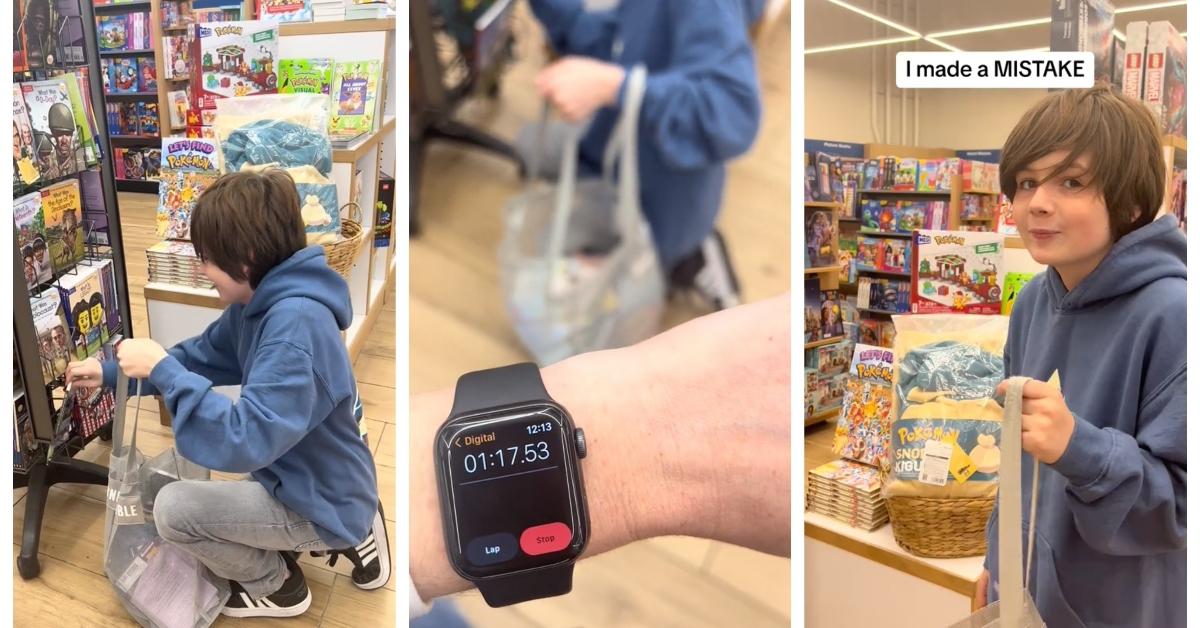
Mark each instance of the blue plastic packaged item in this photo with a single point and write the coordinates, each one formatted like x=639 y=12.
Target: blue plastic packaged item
x=279 y=142
x=962 y=371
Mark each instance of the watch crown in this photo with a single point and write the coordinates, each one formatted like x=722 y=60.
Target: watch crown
x=580 y=443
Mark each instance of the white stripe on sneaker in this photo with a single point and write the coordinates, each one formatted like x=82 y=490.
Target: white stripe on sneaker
x=246 y=601
x=366 y=546
x=368 y=557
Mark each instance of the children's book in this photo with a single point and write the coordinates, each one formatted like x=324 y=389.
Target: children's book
x=831 y=315
x=1013 y=283
x=178 y=101
x=112 y=32
x=177 y=49
x=108 y=286
x=30 y=222
x=125 y=75
x=957 y=271
x=55 y=134
x=147 y=75
x=285 y=10
x=54 y=343
x=863 y=431
x=147 y=113
x=86 y=153
x=305 y=76
x=812 y=309
x=819 y=238
x=83 y=301
x=63 y=208
x=355 y=96
x=152 y=163
x=25 y=170
x=190 y=166
x=190 y=154
x=135 y=169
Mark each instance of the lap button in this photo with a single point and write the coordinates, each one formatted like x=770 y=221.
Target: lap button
x=491 y=549
x=546 y=538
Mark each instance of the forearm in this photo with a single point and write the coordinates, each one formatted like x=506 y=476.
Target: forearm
x=688 y=433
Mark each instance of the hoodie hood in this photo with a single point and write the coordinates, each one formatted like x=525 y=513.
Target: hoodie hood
x=1156 y=251
x=305 y=274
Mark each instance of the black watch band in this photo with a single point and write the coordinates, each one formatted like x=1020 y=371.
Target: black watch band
x=495 y=388
x=522 y=587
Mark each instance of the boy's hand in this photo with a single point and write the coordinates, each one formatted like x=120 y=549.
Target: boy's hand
x=578 y=86
x=139 y=356
x=1046 y=422
x=981 y=585
x=86 y=374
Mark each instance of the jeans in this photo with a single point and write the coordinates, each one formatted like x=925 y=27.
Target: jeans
x=236 y=529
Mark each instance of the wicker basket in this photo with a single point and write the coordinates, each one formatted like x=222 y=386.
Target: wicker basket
x=340 y=255
x=941 y=527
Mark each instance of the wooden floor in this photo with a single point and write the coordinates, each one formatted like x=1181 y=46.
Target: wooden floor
x=72 y=589
x=458 y=323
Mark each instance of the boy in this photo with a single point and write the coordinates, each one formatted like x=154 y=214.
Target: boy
x=293 y=429
x=1084 y=170
x=701 y=109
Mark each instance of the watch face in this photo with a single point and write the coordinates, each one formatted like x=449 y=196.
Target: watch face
x=512 y=496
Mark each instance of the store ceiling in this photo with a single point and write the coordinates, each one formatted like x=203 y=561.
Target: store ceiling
x=827 y=24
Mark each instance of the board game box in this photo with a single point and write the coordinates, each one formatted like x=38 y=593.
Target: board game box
x=957 y=271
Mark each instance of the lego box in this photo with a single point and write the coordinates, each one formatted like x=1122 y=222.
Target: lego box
x=957 y=272
x=1084 y=26
x=231 y=59
x=1165 y=90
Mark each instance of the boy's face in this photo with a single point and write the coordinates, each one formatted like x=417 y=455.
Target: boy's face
x=1064 y=220
x=229 y=289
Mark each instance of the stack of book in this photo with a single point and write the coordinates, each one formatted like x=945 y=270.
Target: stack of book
x=176 y=263
x=328 y=10
x=366 y=9
x=849 y=492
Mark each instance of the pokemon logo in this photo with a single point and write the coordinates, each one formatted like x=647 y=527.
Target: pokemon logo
x=221 y=31
x=950 y=239
x=190 y=161
x=306 y=82
x=927 y=433
x=875 y=371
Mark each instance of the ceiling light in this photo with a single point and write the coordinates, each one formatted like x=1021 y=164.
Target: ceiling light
x=1147 y=7
x=938 y=42
x=992 y=27
x=861 y=44
x=877 y=18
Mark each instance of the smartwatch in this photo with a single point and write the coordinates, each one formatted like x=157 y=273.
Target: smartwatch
x=514 y=513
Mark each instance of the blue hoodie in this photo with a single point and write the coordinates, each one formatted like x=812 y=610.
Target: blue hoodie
x=293 y=429
x=701 y=107
x=1112 y=515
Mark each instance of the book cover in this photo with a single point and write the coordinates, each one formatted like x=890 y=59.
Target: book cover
x=127 y=119
x=62 y=206
x=957 y=271
x=55 y=136
x=831 y=315
x=179 y=107
x=819 y=234
x=152 y=163
x=30 y=223
x=135 y=169
x=190 y=154
x=285 y=10
x=54 y=344
x=177 y=49
x=233 y=59
x=40 y=37
x=83 y=303
x=125 y=75
x=147 y=75
x=112 y=32
x=355 y=92
x=85 y=153
x=25 y=170
x=812 y=309
x=178 y=192
x=862 y=432
x=305 y=76
x=147 y=113
x=108 y=286
x=384 y=199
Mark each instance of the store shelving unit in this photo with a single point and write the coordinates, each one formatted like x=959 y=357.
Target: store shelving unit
x=828 y=280
x=175 y=312
x=39 y=393
x=154 y=22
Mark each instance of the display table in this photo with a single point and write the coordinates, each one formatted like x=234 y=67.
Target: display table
x=859 y=578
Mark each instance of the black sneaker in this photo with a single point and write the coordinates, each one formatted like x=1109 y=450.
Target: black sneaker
x=371 y=558
x=290 y=600
x=709 y=273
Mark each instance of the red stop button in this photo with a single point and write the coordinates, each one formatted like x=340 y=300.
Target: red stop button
x=546 y=538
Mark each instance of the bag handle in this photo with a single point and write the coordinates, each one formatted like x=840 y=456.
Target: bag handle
x=623 y=143
x=1012 y=587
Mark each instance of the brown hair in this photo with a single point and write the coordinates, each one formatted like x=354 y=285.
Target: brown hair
x=1116 y=132
x=247 y=223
